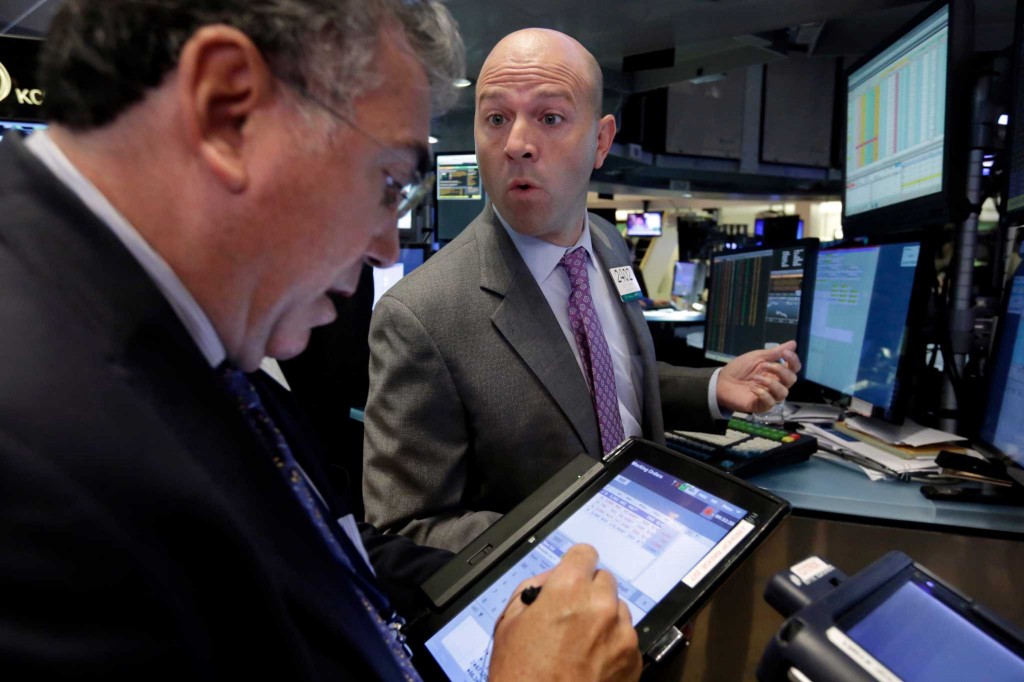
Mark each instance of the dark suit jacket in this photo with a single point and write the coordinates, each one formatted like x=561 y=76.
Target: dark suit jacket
x=144 y=531
x=475 y=395
x=331 y=377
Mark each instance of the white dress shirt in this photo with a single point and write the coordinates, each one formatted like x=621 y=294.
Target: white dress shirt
x=185 y=306
x=542 y=258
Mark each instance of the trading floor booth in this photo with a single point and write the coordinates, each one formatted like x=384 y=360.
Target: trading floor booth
x=866 y=313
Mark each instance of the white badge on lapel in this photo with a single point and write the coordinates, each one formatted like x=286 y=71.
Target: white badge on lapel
x=626 y=283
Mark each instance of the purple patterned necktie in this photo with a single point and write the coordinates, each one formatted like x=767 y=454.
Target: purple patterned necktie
x=597 y=361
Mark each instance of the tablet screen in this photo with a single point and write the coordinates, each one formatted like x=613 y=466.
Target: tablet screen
x=651 y=531
x=918 y=637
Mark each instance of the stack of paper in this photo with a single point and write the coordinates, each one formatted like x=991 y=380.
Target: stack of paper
x=909 y=434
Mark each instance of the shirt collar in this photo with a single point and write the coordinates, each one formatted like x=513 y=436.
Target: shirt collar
x=181 y=301
x=542 y=257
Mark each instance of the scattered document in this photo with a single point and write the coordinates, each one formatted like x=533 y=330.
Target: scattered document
x=910 y=433
x=866 y=455
x=813 y=412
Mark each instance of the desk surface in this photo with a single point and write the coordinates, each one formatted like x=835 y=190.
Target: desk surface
x=821 y=486
x=669 y=315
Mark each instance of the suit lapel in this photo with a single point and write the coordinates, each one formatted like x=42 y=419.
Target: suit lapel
x=525 y=320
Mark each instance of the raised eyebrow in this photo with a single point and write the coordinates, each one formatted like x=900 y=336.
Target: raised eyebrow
x=555 y=93
x=489 y=95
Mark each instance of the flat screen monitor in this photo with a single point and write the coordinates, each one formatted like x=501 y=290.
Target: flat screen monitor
x=693 y=237
x=905 y=148
x=460 y=194
x=1015 y=142
x=684 y=279
x=861 y=327
x=408 y=260
x=759 y=228
x=1002 y=427
x=23 y=127
x=759 y=298
x=644 y=224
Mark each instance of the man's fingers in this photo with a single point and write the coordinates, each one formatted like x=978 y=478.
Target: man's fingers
x=785 y=352
x=782 y=373
x=579 y=560
x=792 y=360
x=604 y=582
x=776 y=389
x=624 y=614
x=515 y=605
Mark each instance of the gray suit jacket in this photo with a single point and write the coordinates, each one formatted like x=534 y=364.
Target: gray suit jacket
x=475 y=395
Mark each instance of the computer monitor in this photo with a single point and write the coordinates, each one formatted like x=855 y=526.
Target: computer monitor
x=759 y=224
x=1015 y=141
x=647 y=224
x=23 y=127
x=460 y=194
x=907 y=106
x=759 y=298
x=1002 y=427
x=408 y=260
x=867 y=300
x=693 y=235
x=683 y=278
x=688 y=281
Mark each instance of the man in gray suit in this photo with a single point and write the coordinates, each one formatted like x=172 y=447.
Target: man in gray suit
x=511 y=351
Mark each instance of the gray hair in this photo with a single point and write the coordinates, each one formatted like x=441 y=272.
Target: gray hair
x=101 y=56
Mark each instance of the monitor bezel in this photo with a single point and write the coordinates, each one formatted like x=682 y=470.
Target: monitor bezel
x=696 y=272
x=812 y=247
x=442 y=233
x=989 y=447
x=661 y=230
x=912 y=355
x=1016 y=123
x=950 y=203
x=437 y=166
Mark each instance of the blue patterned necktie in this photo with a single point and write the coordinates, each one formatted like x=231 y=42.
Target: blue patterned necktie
x=593 y=347
x=340 y=545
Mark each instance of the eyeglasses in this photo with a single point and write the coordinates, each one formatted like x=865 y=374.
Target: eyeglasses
x=404 y=197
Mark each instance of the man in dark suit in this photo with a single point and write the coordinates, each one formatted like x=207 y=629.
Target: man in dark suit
x=187 y=214
x=482 y=382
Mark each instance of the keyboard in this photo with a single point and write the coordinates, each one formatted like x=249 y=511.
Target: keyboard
x=745 y=449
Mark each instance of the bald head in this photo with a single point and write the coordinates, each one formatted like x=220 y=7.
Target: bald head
x=545 y=46
x=539 y=132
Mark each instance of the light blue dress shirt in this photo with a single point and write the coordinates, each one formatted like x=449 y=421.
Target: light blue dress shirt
x=542 y=258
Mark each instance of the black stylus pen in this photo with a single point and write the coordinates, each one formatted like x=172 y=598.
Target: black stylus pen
x=529 y=595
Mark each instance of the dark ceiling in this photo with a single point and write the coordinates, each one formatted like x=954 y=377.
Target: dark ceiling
x=699 y=37
x=613 y=30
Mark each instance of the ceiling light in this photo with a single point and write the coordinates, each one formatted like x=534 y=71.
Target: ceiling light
x=709 y=78
x=462 y=82
x=432 y=140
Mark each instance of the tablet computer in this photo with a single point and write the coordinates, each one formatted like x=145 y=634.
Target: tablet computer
x=895 y=621
x=669 y=527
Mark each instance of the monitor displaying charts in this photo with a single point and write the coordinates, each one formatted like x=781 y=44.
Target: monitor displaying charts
x=863 y=298
x=908 y=105
x=758 y=298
